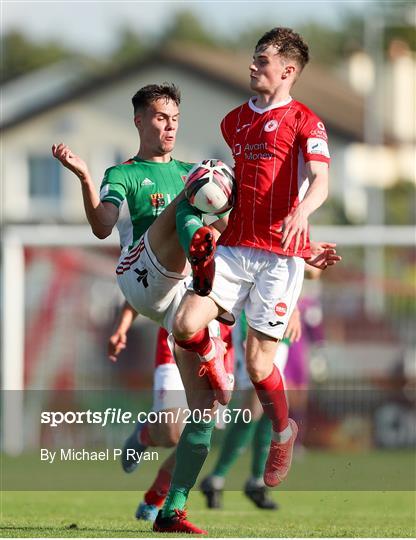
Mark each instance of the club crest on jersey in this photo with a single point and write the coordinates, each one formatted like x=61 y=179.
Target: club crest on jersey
x=271 y=125
x=157 y=200
x=280 y=309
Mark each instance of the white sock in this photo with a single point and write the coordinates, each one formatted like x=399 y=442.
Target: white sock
x=254 y=482
x=217 y=482
x=282 y=436
x=210 y=355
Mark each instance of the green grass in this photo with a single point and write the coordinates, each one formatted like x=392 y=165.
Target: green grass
x=375 y=470
x=327 y=495
x=310 y=514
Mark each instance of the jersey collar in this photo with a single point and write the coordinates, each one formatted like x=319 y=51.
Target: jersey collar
x=270 y=107
x=154 y=163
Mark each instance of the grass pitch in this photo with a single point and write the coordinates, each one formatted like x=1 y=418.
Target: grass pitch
x=342 y=504
x=311 y=514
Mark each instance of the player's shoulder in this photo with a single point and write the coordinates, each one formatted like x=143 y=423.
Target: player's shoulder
x=184 y=164
x=304 y=110
x=234 y=113
x=120 y=168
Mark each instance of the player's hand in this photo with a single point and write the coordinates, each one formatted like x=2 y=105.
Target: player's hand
x=71 y=161
x=294 y=327
x=295 y=225
x=324 y=254
x=116 y=343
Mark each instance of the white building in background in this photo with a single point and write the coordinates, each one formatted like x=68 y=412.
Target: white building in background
x=94 y=116
x=389 y=92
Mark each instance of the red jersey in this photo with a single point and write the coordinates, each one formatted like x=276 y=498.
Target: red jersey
x=164 y=356
x=270 y=148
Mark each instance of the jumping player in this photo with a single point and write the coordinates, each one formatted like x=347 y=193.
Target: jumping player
x=153 y=267
x=281 y=167
x=140 y=197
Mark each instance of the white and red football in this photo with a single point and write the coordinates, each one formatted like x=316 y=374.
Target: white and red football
x=210 y=186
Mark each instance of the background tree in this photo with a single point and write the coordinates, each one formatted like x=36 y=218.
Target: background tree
x=130 y=47
x=21 y=55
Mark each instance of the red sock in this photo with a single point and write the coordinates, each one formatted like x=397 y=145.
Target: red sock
x=157 y=492
x=272 y=397
x=145 y=438
x=199 y=343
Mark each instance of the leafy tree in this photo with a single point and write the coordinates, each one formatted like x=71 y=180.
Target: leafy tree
x=186 y=27
x=130 y=47
x=20 y=55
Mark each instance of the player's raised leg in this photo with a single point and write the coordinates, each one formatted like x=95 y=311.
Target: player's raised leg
x=191 y=333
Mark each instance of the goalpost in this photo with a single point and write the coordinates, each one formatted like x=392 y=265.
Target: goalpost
x=54 y=248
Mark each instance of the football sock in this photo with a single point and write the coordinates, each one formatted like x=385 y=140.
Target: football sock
x=191 y=453
x=237 y=436
x=188 y=221
x=254 y=482
x=271 y=394
x=217 y=482
x=261 y=444
x=282 y=436
x=157 y=492
x=200 y=343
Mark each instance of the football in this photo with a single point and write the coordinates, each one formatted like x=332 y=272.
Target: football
x=210 y=186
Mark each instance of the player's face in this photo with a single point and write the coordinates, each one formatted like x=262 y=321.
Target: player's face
x=158 y=125
x=266 y=71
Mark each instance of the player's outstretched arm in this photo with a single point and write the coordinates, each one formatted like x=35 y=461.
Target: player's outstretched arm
x=118 y=340
x=295 y=224
x=324 y=254
x=101 y=216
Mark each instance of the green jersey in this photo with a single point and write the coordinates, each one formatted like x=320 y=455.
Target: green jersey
x=141 y=190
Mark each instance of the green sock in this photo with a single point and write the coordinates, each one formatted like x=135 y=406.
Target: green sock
x=191 y=452
x=261 y=445
x=188 y=221
x=236 y=439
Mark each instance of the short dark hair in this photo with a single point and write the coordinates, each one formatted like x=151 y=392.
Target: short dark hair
x=287 y=43
x=152 y=92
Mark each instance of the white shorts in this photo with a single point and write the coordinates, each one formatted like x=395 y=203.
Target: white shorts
x=265 y=284
x=168 y=390
x=148 y=287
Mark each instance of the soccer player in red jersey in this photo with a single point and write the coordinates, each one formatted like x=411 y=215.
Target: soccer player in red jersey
x=281 y=166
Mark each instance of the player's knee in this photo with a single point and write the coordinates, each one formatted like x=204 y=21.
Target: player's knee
x=257 y=372
x=182 y=326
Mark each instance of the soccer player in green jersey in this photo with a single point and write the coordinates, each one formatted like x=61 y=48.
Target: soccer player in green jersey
x=140 y=197
x=153 y=267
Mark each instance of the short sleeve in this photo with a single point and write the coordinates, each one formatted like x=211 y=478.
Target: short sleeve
x=313 y=139
x=225 y=130
x=113 y=187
